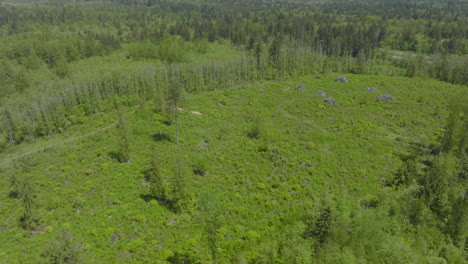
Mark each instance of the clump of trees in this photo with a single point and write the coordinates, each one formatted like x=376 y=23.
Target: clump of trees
x=437 y=180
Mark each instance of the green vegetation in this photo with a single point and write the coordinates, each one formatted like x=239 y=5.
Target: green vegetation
x=316 y=184
x=153 y=131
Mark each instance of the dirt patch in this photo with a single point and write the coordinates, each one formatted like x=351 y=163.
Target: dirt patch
x=190 y=111
x=195 y=113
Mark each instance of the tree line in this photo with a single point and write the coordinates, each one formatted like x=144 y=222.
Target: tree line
x=293 y=38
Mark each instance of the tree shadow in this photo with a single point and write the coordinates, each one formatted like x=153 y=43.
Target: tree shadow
x=167 y=122
x=146 y=197
x=160 y=136
x=179 y=257
x=13 y=194
x=113 y=155
x=167 y=203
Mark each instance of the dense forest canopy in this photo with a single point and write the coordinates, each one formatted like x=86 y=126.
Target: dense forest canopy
x=48 y=38
x=272 y=171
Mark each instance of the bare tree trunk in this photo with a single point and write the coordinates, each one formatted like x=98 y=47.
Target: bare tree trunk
x=11 y=140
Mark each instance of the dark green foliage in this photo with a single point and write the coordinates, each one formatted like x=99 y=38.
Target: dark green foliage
x=65 y=66
x=411 y=68
x=123 y=141
x=180 y=258
x=407 y=172
x=275 y=51
x=61 y=67
x=258 y=49
x=437 y=180
x=200 y=167
x=211 y=214
x=24 y=192
x=175 y=96
x=254 y=132
x=10 y=126
x=179 y=191
x=64 y=250
x=154 y=177
x=455 y=138
x=320 y=229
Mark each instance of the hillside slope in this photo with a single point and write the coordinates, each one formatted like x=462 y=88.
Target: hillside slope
x=271 y=174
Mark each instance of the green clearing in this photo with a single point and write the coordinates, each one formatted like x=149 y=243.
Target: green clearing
x=267 y=163
x=213 y=131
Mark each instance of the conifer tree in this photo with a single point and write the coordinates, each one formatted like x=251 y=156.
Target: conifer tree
x=210 y=210
x=179 y=195
x=154 y=177
x=124 y=145
x=25 y=193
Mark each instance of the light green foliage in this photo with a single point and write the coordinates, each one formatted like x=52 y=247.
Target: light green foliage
x=263 y=154
x=144 y=50
x=172 y=50
x=64 y=250
x=455 y=138
x=261 y=191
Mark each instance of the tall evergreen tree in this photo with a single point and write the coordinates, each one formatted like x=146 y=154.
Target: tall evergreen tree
x=154 y=178
x=123 y=141
x=179 y=192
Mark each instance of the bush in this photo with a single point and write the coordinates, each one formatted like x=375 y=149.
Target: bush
x=173 y=50
x=64 y=250
x=254 y=132
x=200 y=167
x=143 y=50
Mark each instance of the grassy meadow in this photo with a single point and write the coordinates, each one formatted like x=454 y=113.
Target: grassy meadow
x=258 y=163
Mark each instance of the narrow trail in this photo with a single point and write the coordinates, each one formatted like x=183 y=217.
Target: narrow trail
x=57 y=144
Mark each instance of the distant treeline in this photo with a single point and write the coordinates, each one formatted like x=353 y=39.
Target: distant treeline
x=277 y=39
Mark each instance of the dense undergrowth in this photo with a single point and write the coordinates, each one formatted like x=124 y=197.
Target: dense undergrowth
x=270 y=176
x=213 y=132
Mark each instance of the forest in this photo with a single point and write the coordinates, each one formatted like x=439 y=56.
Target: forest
x=233 y=131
